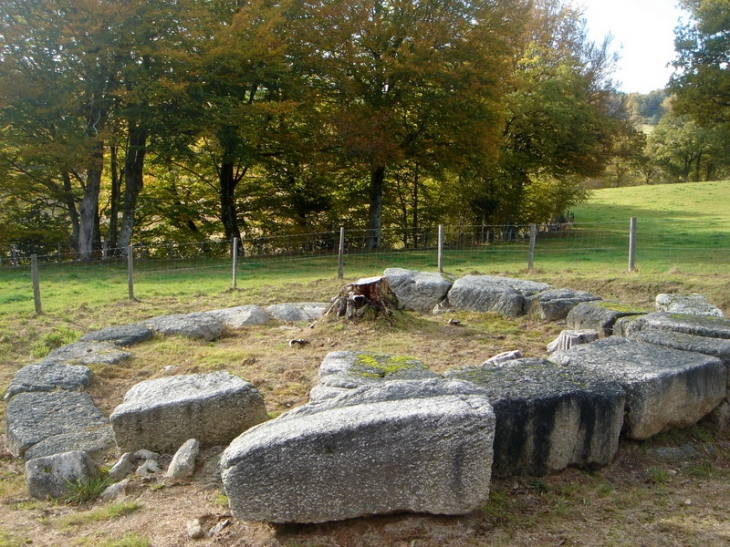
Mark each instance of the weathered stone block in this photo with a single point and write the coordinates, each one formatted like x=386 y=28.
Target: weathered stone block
x=92 y=440
x=693 y=304
x=48 y=376
x=162 y=414
x=50 y=476
x=297 y=313
x=698 y=325
x=123 y=335
x=555 y=304
x=378 y=454
x=198 y=326
x=341 y=371
x=418 y=291
x=241 y=316
x=599 y=316
x=484 y=293
x=88 y=353
x=549 y=417
x=664 y=387
x=33 y=417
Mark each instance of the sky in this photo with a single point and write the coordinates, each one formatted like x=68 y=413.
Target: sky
x=643 y=36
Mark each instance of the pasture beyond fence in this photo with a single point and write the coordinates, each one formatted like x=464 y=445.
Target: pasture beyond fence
x=616 y=246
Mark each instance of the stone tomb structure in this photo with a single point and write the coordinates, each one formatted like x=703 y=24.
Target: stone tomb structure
x=384 y=433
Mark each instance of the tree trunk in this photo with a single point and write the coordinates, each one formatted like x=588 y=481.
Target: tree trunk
x=356 y=298
x=133 y=181
x=73 y=213
x=375 y=216
x=90 y=203
x=229 y=216
x=116 y=176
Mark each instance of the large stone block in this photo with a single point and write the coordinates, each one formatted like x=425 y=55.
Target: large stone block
x=598 y=316
x=555 y=304
x=198 y=326
x=297 y=313
x=88 y=353
x=693 y=304
x=162 y=414
x=342 y=371
x=33 y=417
x=664 y=387
x=123 y=335
x=484 y=293
x=368 y=452
x=698 y=325
x=418 y=291
x=549 y=417
x=94 y=441
x=241 y=316
x=51 y=476
x=717 y=347
x=48 y=376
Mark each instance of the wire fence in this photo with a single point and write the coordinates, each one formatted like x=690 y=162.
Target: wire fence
x=661 y=245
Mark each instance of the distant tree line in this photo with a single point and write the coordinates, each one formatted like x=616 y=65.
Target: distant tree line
x=152 y=120
x=686 y=133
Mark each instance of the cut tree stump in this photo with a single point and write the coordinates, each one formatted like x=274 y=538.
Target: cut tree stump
x=355 y=298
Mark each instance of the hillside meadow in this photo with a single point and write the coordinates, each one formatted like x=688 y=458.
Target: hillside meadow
x=638 y=500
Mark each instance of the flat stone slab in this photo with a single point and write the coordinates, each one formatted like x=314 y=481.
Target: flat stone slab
x=124 y=335
x=33 y=417
x=665 y=387
x=92 y=440
x=342 y=371
x=698 y=325
x=485 y=293
x=549 y=417
x=241 y=316
x=47 y=376
x=599 y=316
x=299 y=312
x=197 y=326
x=693 y=304
x=717 y=347
x=163 y=413
x=88 y=353
x=554 y=304
x=50 y=476
x=418 y=291
x=369 y=452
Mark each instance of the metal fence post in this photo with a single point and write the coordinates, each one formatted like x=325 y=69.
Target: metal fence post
x=341 y=255
x=632 y=244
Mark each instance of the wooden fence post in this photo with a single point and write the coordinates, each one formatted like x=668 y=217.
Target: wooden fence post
x=130 y=271
x=441 y=249
x=234 y=255
x=341 y=255
x=36 y=284
x=632 y=244
x=531 y=252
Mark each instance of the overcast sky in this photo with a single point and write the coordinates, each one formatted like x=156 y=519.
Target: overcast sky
x=643 y=35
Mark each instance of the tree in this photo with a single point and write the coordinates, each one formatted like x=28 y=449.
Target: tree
x=701 y=84
x=407 y=82
x=560 y=117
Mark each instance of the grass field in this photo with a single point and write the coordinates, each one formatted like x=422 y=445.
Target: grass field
x=684 y=246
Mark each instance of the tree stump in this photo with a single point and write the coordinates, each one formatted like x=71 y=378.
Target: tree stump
x=356 y=298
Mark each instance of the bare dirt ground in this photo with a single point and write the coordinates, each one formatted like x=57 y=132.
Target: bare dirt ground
x=638 y=500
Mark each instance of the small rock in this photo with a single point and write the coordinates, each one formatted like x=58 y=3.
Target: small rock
x=150 y=467
x=51 y=476
x=144 y=455
x=674 y=455
x=183 y=463
x=503 y=358
x=688 y=502
x=217 y=528
x=195 y=529
x=113 y=491
x=123 y=467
